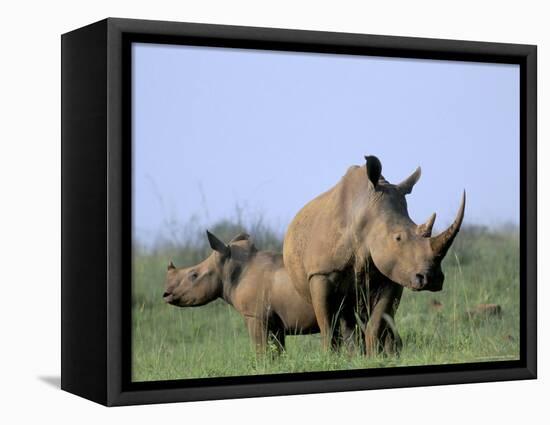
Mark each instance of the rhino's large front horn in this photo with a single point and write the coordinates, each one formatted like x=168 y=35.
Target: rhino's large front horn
x=442 y=242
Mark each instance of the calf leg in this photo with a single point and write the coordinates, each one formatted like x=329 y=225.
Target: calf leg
x=257 y=329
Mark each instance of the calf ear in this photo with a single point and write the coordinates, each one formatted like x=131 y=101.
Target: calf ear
x=374 y=169
x=218 y=245
x=406 y=186
x=240 y=237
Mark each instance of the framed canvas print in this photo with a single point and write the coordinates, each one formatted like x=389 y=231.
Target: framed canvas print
x=252 y=212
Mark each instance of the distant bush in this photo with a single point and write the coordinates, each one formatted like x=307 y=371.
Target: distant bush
x=473 y=242
x=186 y=243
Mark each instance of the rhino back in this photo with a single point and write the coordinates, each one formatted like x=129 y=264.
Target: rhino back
x=265 y=290
x=252 y=293
x=320 y=239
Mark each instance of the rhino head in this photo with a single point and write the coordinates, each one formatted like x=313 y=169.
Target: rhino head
x=403 y=251
x=204 y=282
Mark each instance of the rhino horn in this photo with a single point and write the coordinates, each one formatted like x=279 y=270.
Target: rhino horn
x=425 y=230
x=406 y=185
x=441 y=243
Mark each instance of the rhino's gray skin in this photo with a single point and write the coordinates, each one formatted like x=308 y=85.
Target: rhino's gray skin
x=254 y=282
x=358 y=238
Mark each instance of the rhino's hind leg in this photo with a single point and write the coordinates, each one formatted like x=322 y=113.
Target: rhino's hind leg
x=267 y=336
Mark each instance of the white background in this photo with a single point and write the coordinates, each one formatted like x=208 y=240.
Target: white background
x=30 y=211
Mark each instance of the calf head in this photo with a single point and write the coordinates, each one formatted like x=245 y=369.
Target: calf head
x=401 y=250
x=204 y=282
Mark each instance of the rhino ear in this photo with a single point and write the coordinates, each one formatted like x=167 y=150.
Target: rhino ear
x=218 y=245
x=240 y=237
x=171 y=265
x=374 y=169
x=406 y=185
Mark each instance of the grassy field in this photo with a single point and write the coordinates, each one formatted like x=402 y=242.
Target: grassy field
x=174 y=343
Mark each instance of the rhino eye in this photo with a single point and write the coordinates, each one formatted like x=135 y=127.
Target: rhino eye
x=398 y=237
x=193 y=275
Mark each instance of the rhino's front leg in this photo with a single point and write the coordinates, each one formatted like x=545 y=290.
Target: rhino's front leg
x=277 y=338
x=319 y=290
x=349 y=327
x=322 y=298
x=257 y=329
x=392 y=341
x=380 y=332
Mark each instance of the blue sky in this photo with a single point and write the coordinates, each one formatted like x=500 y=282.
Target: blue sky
x=214 y=128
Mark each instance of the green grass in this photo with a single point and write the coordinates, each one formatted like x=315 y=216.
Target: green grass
x=211 y=341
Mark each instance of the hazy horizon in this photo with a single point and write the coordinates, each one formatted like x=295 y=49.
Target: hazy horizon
x=218 y=128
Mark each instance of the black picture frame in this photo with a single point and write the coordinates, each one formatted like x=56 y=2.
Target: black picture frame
x=96 y=211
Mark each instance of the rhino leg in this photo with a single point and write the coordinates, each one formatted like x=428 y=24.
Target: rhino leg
x=349 y=328
x=325 y=311
x=380 y=332
x=257 y=329
x=277 y=339
x=265 y=335
x=392 y=341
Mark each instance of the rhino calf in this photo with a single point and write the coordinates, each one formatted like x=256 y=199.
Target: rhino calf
x=254 y=282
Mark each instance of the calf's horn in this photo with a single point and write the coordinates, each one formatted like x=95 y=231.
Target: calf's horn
x=441 y=243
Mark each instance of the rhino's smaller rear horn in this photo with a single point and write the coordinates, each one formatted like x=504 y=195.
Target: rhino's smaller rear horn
x=441 y=243
x=425 y=230
x=406 y=186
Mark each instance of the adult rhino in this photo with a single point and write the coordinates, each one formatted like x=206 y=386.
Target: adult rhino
x=352 y=250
